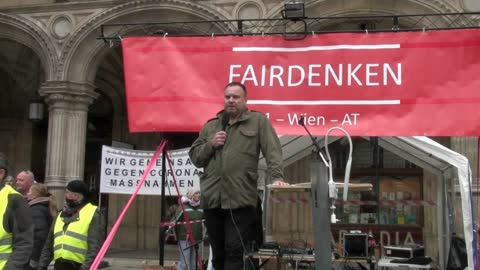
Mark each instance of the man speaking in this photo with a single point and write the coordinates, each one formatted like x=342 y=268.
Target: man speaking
x=228 y=148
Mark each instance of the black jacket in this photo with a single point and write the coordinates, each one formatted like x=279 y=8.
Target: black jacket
x=42 y=220
x=17 y=220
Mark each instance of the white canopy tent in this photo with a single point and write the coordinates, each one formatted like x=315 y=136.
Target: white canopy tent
x=429 y=155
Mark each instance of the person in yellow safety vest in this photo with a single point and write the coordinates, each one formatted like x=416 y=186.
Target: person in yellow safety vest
x=16 y=227
x=77 y=233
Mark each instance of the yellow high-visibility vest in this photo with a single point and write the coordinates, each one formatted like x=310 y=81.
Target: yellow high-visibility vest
x=71 y=244
x=5 y=237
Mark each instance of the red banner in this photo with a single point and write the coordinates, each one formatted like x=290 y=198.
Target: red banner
x=377 y=84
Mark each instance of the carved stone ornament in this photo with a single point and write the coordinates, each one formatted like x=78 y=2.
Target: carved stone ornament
x=249 y=10
x=61 y=26
x=68 y=95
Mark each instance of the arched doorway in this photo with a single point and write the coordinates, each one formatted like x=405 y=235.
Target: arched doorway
x=23 y=141
x=101 y=64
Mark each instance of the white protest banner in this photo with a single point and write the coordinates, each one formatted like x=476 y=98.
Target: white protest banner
x=122 y=169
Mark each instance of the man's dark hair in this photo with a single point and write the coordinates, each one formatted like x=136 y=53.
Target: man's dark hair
x=4 y=163
x=237 y=84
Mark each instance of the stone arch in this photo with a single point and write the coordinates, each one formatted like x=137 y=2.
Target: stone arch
x=21 y=74
x=86 y=58
x=30 y=35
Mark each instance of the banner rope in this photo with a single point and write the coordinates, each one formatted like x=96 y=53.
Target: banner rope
x=115 y=227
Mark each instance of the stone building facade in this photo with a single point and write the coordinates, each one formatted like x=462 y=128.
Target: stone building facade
x=50 y=50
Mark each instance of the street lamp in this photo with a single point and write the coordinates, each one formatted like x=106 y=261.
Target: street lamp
x=294 y=10
x=35 y=110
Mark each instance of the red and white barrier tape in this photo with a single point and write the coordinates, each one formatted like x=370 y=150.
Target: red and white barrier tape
x=289 y=200
x=170 y=224
x=390 y=203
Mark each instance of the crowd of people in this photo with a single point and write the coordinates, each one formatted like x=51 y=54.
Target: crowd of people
x=33 y=232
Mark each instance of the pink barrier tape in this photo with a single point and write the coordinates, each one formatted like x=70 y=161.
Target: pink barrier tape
x=114 y=230
x=387 y=203
x=170 y=224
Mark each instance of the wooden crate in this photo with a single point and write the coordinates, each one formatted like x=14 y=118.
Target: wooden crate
x=290 y=220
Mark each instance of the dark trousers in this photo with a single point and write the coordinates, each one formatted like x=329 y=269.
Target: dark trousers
x=227 y=230
x=66 y=265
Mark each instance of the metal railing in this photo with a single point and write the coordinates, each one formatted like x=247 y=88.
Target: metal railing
x=301 y=27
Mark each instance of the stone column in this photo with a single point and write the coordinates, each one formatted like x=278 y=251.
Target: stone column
x=68 y=110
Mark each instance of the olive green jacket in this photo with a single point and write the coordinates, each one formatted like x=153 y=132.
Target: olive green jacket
x=229 y=180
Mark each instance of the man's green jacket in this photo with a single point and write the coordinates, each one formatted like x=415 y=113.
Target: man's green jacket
x=229 y=180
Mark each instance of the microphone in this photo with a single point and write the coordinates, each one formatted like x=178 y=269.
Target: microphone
x=225 y=119
x=301 y=121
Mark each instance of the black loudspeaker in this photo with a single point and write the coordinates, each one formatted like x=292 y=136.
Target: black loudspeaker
x=355 y=245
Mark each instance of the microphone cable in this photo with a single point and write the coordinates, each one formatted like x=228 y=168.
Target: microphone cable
x=224 y=123
x=249 y=259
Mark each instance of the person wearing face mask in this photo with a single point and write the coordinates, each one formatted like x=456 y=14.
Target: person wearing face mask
x=76 y=235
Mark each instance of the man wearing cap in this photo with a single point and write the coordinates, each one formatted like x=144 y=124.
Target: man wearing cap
x=16 y=228
x=77 y=233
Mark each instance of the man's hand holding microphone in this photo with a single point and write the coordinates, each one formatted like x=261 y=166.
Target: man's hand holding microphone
x=218 y=139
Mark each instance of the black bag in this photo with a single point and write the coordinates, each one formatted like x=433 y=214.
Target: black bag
x=457 y=257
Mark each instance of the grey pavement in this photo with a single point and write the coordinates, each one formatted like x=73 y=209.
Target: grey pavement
x=123 y=259
x=136 y=259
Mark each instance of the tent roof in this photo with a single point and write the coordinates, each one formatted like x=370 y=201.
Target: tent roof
x=298 y=147
x=423 y=152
